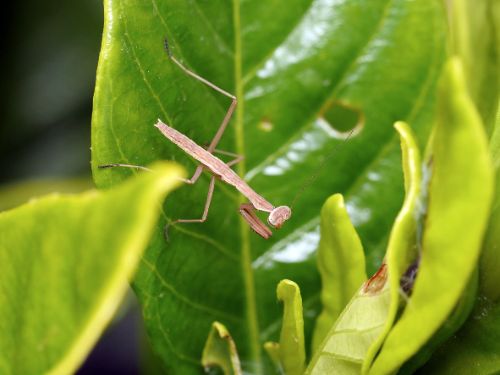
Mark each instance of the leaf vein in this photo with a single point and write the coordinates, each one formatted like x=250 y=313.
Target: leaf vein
x=186 y=300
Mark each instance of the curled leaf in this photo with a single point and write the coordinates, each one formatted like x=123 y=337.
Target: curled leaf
x=461 y=188
x=220 y=351
x=360 y=330
x=291 y=347
x=402 y=248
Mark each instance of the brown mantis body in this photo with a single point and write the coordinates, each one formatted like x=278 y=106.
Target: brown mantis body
x=219 y=169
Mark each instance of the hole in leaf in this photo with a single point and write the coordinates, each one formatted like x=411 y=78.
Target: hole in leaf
x=342 y=118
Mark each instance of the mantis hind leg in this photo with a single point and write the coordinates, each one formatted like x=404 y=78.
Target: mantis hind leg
x=203 y=217
x=211 y=188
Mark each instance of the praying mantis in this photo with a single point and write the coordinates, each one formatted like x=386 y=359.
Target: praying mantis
x=219 y=169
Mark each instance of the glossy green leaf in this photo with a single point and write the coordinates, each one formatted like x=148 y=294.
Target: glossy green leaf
x=67 y=261
x=461 y=188
x=287 y=62
x=476 y=40
x=220 y=351
x=341 y=264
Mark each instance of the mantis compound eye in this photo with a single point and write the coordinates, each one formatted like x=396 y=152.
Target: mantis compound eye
x=279 y=215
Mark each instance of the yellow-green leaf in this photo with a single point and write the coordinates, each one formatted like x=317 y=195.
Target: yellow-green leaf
x=460 y=194
x=360 y=330
x=403 y=244
x=341 y=264
x=220 y=351
x=66 y=261
x=362 y=321
x=291 y=348
x=475 y=36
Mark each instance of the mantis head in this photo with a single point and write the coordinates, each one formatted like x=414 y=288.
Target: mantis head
x=276 y=218
x=279 y=215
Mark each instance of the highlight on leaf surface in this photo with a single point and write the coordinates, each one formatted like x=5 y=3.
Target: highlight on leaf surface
x=67 y=260
x=220 y=351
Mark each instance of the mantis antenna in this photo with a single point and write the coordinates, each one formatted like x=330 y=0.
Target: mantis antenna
x=310 y=180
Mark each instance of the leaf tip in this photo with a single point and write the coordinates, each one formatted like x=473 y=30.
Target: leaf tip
x=287 y=288
x=334 y=202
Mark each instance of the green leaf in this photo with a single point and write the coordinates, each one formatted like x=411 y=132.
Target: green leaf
x=476 y=40
x=273 y=351
x=489 y=277
x=474 y=349
x=446 y=332
x=475 y=346
x=404 y=242
x=289 y=355
x=341 y=264
x=490 y=260
x=461 y=188
x=220 y=351
x=287 y=62
x=292 y=348
x=363 y=320
x=67 y=261
x=359 y=332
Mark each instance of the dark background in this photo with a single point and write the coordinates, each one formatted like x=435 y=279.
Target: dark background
x=49 y=58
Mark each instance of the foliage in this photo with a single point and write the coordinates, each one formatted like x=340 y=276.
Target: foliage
x=291 y=64
x=69 y=260
x=320 y=84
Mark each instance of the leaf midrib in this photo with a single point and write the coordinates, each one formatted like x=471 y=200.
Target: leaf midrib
x=246 y=253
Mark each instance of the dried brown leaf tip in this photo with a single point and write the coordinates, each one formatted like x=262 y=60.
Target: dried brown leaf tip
x=375 y=283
